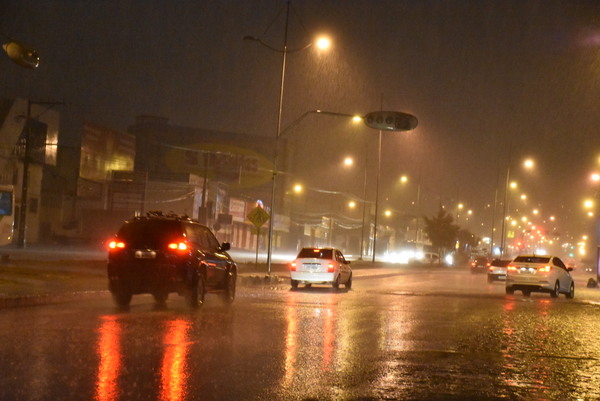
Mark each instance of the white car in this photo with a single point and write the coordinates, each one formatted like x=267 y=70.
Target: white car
x=320 y=266
x=431 y=259
x=539 y=273
x=497 y=270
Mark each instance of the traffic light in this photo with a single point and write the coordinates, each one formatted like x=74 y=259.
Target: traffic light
x=390 y=121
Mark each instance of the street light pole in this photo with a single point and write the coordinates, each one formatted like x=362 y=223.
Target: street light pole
x=279 y=132
x=22 y=223
x=24 y=182
x=504 y=211
x=377 y=197
x=277 y=140
x=364 y=208
x=418 y=210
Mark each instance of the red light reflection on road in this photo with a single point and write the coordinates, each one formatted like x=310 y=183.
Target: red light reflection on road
x=109 y=350
x=173 y=371
x=291 y=334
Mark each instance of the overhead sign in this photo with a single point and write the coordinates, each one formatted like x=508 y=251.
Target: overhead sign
x=258 y=216
x=390 y=121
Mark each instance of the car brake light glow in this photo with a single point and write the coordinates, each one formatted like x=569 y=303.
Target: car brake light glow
x=512 y=268
x=293 y=266
x=116 y=244
x=545 y=269
x=178 y=246
x=330 y=268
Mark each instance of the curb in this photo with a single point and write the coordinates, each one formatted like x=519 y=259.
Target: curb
x=47 y=299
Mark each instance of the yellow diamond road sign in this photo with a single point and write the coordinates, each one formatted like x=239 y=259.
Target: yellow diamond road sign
x=258 y=216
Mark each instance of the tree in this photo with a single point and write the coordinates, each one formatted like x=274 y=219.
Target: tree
x=467 y=241
x=441 y=230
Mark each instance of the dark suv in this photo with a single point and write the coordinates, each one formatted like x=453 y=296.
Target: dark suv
x=160 y=254
x=480 y=264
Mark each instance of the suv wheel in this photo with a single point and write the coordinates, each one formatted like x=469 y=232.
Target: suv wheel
x=229 y=294
x=122 y=298
x=194 y=295
x=160 y=297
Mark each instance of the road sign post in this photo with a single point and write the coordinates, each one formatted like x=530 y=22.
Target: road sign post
x=258 y=216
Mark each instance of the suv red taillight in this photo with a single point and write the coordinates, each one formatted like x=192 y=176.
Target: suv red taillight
x=330 y=268
x=116 y=245
x=180 y=246
x=293 y=266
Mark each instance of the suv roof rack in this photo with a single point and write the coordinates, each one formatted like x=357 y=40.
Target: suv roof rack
x=159 y=214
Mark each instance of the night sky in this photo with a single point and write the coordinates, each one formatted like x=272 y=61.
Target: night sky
x=488 y=80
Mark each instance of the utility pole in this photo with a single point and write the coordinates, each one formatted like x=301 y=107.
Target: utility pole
x=22 y=226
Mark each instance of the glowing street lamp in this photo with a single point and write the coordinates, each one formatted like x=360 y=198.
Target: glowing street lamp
x=323 y=42
x=20 y=53
x=528 y=164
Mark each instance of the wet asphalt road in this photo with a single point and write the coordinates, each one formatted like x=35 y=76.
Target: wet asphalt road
x=402 y=334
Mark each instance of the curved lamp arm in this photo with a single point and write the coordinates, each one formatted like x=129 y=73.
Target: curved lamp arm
x=268 y=46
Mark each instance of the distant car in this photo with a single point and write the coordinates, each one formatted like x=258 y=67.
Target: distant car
x=320 y=266
x=537 y=273
x=480 y=264
x=497 y=270
x=160 y=254
x=431 y=259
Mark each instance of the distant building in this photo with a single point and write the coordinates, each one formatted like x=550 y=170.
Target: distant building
x=20 y=118
x=229 y=172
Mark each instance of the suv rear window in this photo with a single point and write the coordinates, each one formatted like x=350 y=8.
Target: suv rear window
x=150 y=233
x=532 y=259
x=315 y=253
